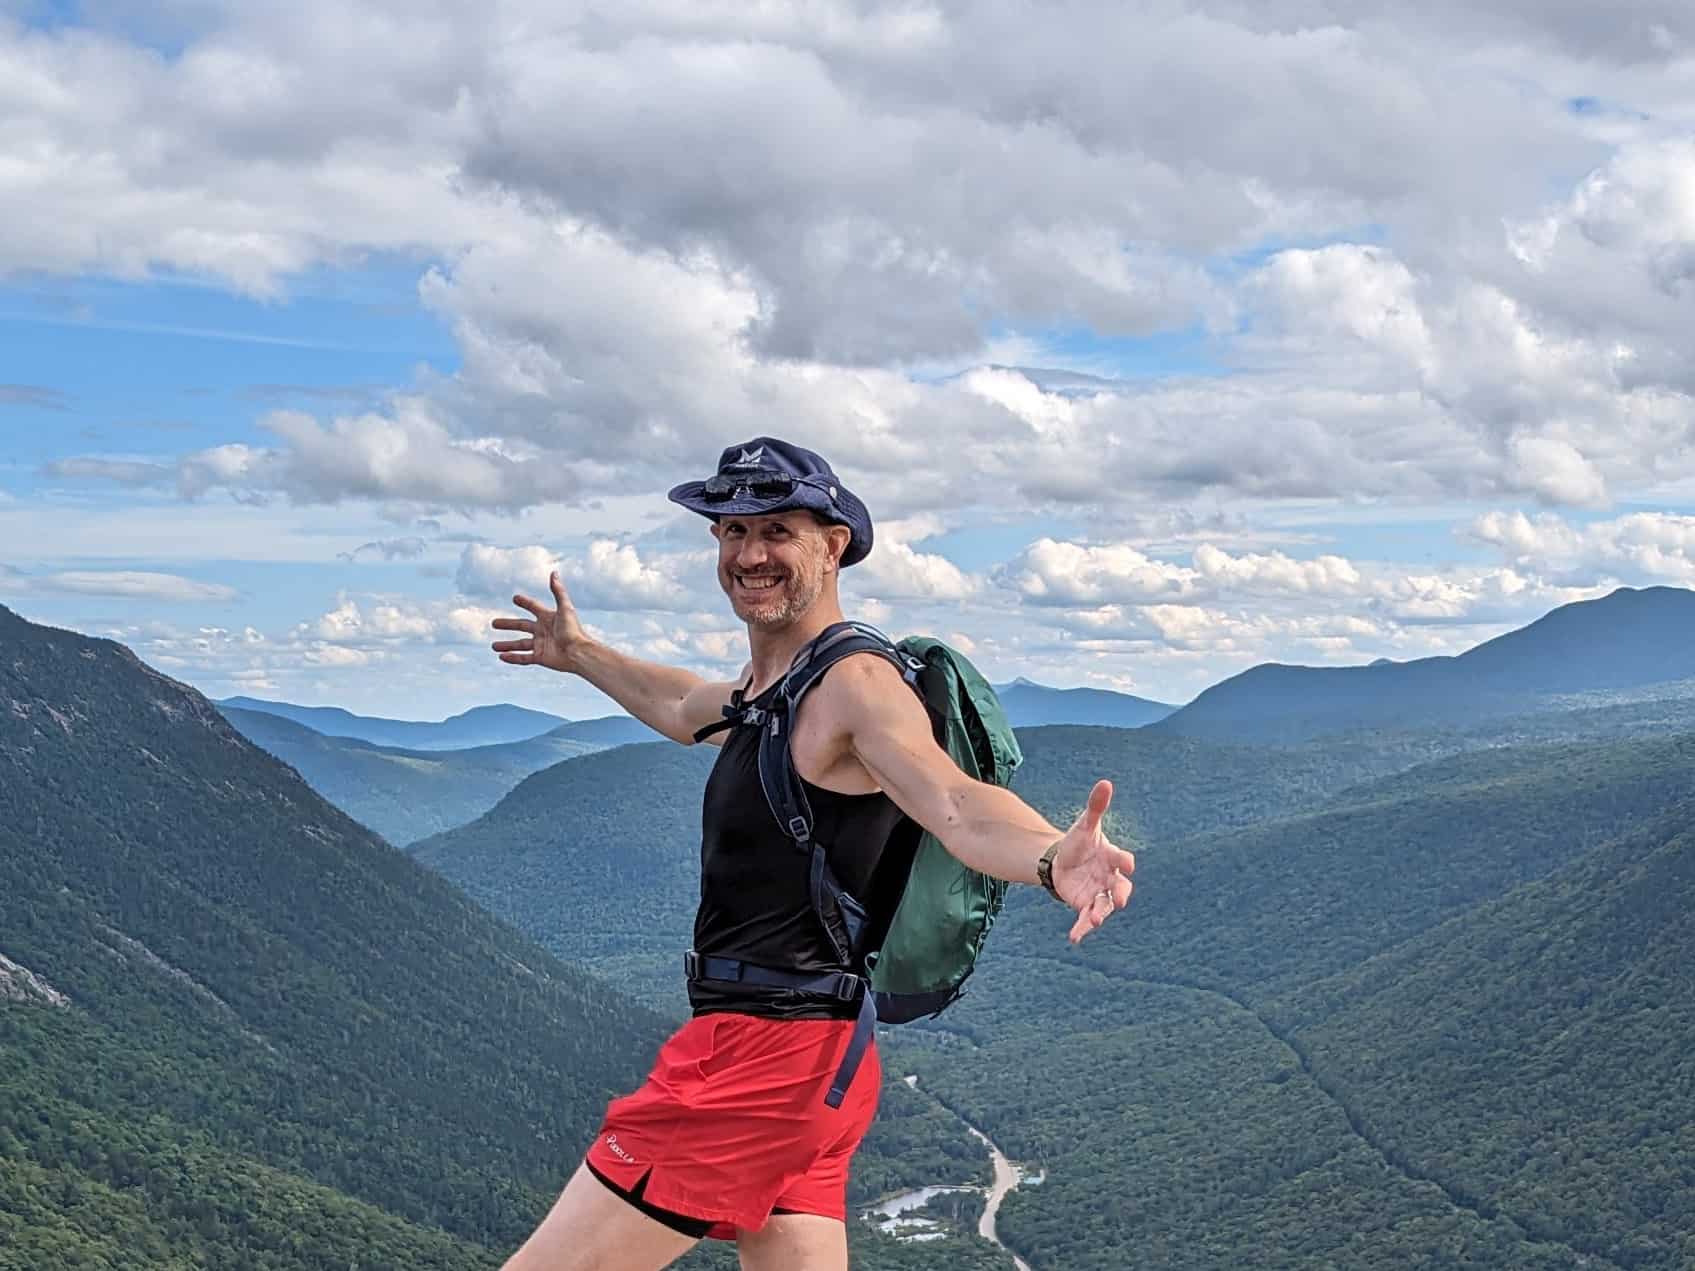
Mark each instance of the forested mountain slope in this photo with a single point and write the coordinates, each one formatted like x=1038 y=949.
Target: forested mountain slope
x=1534 y=1053
x=242 y=1030
x=1443 y=1023
x=1284 y=899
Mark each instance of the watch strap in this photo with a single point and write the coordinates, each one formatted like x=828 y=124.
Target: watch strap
x=1044 y=870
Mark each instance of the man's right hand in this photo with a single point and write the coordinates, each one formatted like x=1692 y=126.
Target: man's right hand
x=551 y=638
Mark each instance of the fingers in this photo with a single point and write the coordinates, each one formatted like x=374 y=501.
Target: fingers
x=557 y=586
x=519 y=659
x=513 y=646
x=1100 y=798
x=514 y=624
x=1102 y=904
x=534 y=606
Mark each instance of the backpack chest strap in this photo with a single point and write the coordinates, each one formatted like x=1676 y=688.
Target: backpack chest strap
x=734 y=714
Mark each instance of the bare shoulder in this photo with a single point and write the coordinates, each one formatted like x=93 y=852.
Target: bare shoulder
x=864 y=690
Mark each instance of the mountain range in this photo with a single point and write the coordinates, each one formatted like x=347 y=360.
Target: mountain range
x=479 y=726
x=1328 y=941
x=405 y=795
x=1406 y=987
x=1615 y=644
x=1030 y=705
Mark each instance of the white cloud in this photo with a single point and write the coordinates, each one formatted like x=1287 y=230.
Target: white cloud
x=658 y=227
x=502 y=572
x=607 y=575
x=378 y=622
x=1056 y=573
x=1643 y=547
x=614 y=576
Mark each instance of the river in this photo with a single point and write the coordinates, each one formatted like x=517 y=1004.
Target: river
x=1007 y=1176
x=892 y=1214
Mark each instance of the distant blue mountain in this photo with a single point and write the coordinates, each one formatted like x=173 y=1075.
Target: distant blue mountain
x=405 y=794
x=609 y=730
x=1618 y=643
x=479 y=726
x=1029 y=705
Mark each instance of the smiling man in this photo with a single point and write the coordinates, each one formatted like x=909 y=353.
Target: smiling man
x=738 y=1133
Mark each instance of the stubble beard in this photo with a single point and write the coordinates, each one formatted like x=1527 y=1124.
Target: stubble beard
x=790 y=600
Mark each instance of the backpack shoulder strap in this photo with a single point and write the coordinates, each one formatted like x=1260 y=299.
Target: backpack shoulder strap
x=777 y=773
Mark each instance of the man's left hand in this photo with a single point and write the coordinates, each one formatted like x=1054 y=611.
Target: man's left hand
x=1089 y=873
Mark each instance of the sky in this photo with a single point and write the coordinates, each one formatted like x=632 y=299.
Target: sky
x=1162 y=338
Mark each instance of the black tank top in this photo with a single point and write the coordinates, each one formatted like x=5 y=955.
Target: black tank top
x=755 y=896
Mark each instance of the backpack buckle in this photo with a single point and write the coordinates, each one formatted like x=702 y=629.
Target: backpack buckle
x=798 y=828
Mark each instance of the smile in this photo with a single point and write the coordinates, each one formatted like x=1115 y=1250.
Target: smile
x=759 y=582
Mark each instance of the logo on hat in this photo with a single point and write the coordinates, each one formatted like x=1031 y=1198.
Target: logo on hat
x=750 y=458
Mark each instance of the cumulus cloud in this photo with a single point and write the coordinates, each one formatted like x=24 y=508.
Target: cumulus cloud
x=501 y=572
x=378 y=621
x=606 y=575
x=1643 y=547
x=600 y=194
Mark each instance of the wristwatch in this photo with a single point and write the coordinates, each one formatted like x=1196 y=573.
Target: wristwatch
x=1044 y=870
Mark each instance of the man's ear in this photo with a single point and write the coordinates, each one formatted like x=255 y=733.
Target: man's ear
x=839 y=538
x=717 y=531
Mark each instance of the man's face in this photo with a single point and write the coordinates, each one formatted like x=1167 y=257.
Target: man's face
x=773 y=567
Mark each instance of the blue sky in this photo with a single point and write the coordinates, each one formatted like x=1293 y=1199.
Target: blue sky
x=318 y=336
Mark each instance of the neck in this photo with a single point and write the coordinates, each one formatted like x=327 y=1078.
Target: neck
x=772 y=650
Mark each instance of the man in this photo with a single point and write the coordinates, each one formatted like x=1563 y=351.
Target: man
x=731 y=1135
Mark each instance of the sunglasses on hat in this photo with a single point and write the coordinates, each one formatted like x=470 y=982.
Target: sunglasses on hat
x=762 y=484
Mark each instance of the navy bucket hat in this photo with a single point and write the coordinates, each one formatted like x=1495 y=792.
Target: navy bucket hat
x=764 y=476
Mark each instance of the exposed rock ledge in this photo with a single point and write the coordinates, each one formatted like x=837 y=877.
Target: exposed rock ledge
x=20 y=984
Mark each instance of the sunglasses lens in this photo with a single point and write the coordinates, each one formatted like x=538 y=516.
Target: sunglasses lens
x=759 y=484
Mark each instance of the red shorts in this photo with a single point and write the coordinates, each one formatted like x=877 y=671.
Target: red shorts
x=731 y=1123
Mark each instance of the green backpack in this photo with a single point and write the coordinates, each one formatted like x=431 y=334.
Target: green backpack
x=947 y=908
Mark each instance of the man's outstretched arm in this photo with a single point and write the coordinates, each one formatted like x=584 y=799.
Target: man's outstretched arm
x=988 y=828
x=668 y=699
